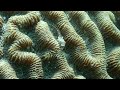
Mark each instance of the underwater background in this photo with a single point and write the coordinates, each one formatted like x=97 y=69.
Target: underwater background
x=59 y=44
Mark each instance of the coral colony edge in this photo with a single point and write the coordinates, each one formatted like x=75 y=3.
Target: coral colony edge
x=59 y=44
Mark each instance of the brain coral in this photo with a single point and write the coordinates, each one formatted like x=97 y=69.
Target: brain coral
x=59 y=44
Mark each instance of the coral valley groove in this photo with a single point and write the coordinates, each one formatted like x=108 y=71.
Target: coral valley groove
x=59 y=44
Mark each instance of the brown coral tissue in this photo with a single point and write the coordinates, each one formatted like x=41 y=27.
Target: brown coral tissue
x=59 y=45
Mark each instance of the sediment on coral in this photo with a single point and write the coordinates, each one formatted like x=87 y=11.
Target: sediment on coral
x=59 y=44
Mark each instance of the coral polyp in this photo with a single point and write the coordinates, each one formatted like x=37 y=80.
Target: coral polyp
x=59 y=45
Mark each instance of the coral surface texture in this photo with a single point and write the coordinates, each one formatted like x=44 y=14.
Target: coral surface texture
x=59 y=44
